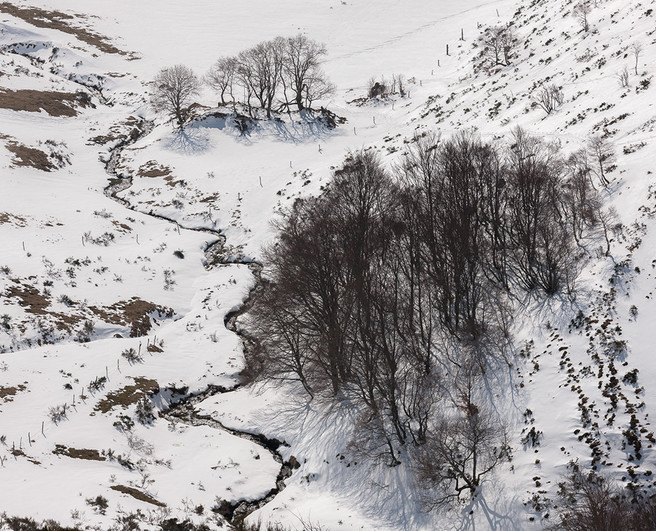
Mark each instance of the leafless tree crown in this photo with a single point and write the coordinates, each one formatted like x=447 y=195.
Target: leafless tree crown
x=173 y=90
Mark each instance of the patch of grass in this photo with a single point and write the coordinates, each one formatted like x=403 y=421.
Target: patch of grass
x=154 y=348
x=137 y=494
x=30 y=298
x=7 y=393
x=153 y=169
x=58 y=20
x=52 y=102
x=128 y=395
x=6 y=217
x=30 y=157
x=135 y=312
x=78 y=453
x=129 y=129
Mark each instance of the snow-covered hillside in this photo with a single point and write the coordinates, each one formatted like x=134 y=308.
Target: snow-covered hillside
x=129 y=247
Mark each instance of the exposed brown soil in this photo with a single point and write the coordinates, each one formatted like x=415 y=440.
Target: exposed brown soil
x=7 y=393
x=121 y=227
x=78 y=453
x=6 y=217
x=122 y=132
x=30 y=298
x=26 y=156
x=170 y=181
x=210 y=199
x=128 y=395
x=137 y=494
x=135 y=312
x=53 y=102
x=57 y=20
x=152 y=169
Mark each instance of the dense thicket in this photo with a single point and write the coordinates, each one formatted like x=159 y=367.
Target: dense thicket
x=394 y=289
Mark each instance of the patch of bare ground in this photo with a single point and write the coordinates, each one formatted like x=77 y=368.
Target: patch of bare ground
x=121 y=227
x=53 y=102
x=18 y=452
x=210 y=199
x=12 y=219
x=42 y=18
x=8 y=393
x=30 y=298
x=128 y=395
x=30 y=157
x=135 y=312
x=153 y=169
x=78 y=453
x=130 y=129
x=137 y=494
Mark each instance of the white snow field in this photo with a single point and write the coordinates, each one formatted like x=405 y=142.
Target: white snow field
x=110 y=305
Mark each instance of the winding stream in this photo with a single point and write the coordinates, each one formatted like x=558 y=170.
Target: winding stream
x=183 y=408
x=120 y=183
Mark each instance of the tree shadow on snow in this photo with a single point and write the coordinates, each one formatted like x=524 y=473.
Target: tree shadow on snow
x=306 y=126
x=190 y=141
x=324 y=429
x=478 y=515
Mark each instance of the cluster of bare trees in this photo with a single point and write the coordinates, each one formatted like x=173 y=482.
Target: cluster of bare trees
x=275 y=74
x=393 y=289
x=278 y=73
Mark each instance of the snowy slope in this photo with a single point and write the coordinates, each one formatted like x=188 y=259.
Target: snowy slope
x=60 y=270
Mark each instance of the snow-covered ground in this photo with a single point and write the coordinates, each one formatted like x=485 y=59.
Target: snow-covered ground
x=84 y=279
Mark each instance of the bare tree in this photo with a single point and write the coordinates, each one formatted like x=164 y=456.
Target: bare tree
x=582 y=11
x=636 y=50
x=221 y=77
x=318 y=87
x=603 y=153
x=173 y=90
x=582 y=201
x=498 y=46
x=259 y=72
x=549 y=97
x=541 y=239
x=281 y=350
x=302 y=73
x=458 y=453
x=623 y=77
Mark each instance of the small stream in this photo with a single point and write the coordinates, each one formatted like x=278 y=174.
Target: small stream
x=184 y=410
x=183 y=407
x=120 y=183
